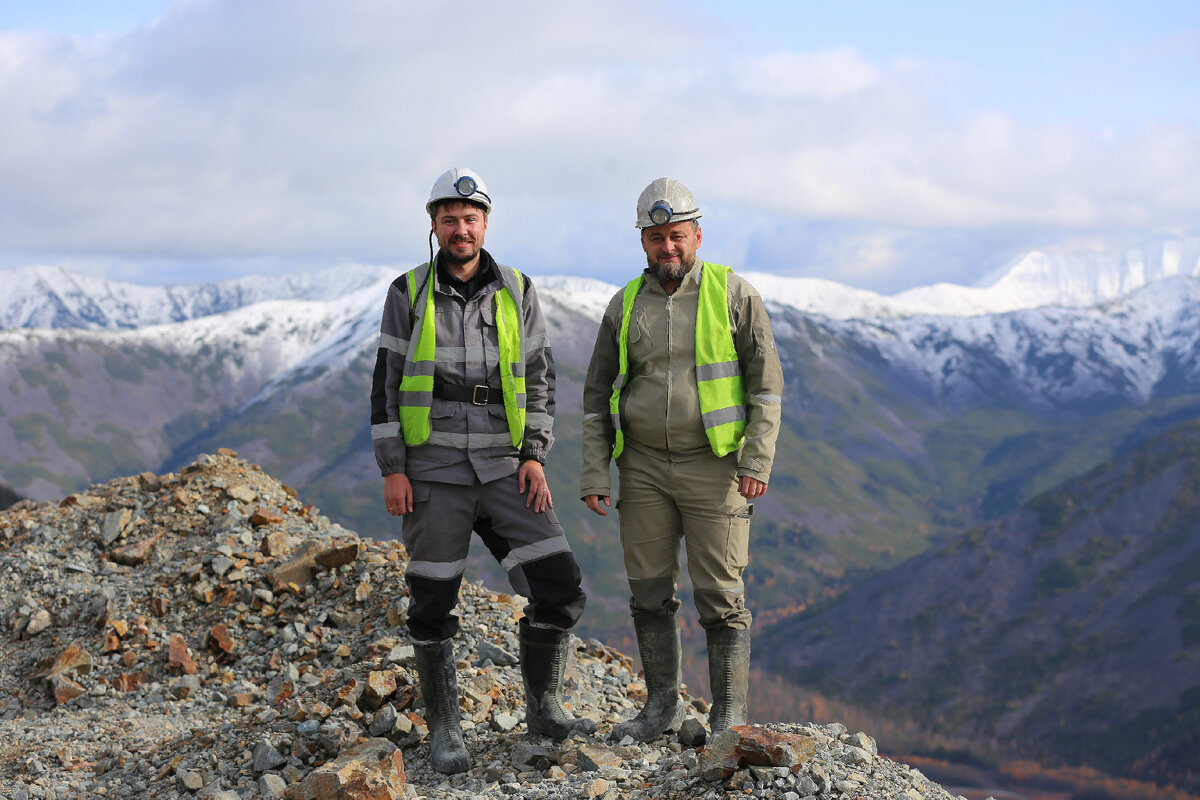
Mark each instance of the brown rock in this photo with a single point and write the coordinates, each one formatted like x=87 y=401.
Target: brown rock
x=137 y=553
x=595 y=788
x=381 y=684
x=752 y=746
x=276 y=544
x=84 y=500
x=242 y=493
x=762 y=747
x=159 y=605
x=349 y=692
x=337 y=556
x=362 y=591
x=178 y=657
x=74 y=660
x=240 y=700
x=219 y=638
x=64 y=688
x=370 y=770
x=299 y=570
x=719 y=760
x=404 y=699
x=287 y=690
x=265 y=516
x=594 y=756
x=130 y=681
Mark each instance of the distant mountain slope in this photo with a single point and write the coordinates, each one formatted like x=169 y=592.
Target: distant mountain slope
x=1127 y=350
x=894 y=429
x=7 y=497
x=1069 y=628
x=1077 y=278
x=52 y=297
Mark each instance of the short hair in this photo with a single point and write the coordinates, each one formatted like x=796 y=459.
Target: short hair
x=436 y=208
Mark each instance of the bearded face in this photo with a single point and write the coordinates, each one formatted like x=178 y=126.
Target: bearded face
x=671 y=249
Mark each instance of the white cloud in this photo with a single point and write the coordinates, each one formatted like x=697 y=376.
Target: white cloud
x=825 y=76
x=292 y=132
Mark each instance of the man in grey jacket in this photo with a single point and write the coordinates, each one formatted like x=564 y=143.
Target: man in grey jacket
x=683 y=390
x=462 y=410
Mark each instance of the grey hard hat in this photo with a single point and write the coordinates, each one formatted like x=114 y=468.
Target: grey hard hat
x=459 y=183
x=665 y=200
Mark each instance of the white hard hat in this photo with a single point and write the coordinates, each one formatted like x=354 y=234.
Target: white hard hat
x=459 y=183
x=665 y=200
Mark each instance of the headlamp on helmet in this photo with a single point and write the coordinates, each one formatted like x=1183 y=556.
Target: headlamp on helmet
x=465 y=186
x=663 y=201
x=459 y=183
x=660 y=212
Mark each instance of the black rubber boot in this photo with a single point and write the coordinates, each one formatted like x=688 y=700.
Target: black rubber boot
x=543 y=662
x=728 y=676
x=659 y=647
x=439 y=687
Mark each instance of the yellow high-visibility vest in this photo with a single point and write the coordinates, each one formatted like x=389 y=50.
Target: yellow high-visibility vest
x=416 y=384
x=718 y=375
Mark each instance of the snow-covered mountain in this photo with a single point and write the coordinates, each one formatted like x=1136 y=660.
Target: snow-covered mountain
x=52 y=297
x=1121 y=351
x=896 y=420
x=1072 y=278
x=1061 y=329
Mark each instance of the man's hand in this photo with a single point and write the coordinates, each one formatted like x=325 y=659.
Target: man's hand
x=397 y=494
x=593 y=502
x=751 y=488
x=532 y=476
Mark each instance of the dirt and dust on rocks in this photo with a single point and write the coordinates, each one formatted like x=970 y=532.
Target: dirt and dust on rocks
x=210 y=635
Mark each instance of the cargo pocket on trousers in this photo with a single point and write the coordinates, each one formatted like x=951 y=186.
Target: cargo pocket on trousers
x=737 y=545
x=421 y=491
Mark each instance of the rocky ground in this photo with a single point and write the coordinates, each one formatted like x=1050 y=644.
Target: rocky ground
x=208 y=635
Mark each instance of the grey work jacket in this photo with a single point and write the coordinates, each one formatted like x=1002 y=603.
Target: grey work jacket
x=660 y=405
x=468 y=442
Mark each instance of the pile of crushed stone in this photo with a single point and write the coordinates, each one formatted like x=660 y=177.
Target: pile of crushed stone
x=207 y=634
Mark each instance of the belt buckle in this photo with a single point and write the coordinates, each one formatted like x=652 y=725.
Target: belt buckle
x=475 y=395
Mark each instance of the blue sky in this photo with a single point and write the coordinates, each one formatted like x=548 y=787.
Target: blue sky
x=883 y=145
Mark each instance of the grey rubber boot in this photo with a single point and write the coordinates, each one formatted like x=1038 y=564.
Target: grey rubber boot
x=659 y=647
x=728 y=676
x=543 y=662
x=439 y=687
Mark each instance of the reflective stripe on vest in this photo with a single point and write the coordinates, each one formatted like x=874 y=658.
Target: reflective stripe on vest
x=718 y=376
x=416 y=383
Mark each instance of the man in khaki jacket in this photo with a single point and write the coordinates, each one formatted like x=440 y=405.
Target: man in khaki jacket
x=683 y=390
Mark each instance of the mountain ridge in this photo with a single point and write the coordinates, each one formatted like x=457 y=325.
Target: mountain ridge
x=1043 y=622
x=47 y=296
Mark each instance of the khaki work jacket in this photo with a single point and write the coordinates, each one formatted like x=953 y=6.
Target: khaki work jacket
x=660 y=405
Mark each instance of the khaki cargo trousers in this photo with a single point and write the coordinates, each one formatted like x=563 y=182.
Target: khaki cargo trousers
x=695 y=501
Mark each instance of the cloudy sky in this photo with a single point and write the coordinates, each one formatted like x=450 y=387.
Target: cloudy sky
x=885 y=145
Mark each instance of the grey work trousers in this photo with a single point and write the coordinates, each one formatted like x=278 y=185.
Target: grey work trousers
x=697 y=502
x=531 y=547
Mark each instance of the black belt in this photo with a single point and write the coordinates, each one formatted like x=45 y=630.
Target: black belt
x=480 y=395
